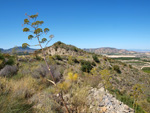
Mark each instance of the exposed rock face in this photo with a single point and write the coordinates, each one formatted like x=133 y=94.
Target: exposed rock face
x=60 y=51
x=60 y=48
x=100 y=101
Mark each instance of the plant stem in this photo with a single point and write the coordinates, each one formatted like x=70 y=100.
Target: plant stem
x=62 y=99
x=45 y=60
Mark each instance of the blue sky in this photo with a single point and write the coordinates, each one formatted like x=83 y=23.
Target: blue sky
x=123 y=24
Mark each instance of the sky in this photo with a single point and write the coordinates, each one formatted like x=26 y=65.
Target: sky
x=122 y=24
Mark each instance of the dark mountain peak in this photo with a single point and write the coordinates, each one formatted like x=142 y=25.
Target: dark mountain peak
x=18 y=49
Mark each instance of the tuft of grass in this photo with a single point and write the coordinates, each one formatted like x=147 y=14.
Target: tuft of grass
x=24 y=88
x=8 y=104
x=14 y=94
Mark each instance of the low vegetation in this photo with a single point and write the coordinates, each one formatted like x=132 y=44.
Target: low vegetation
x=127 y=58
x=30 y=82
x=43 y=83
x=146 y=69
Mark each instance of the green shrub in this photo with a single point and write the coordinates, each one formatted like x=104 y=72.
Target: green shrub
x=86 y=66
x=1 y=57
x=38 y=58
x=1 y=64
x=116 y=68
x=75 y=60
x=6 y=59
x=58 y=57
x=146 y=69
x=10 y=62
x=72 y=60
x=126 y=99
x=95 y=58
x=1 y=61
x=148 y=99
x=130 y=66
x=93 y=64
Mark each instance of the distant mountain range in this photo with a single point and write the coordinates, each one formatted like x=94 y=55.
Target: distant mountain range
x=139 y=50
x=18 y=49
x=102 y=50
x=108 y=50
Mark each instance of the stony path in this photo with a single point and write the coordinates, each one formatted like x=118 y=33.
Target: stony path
x=101 y=101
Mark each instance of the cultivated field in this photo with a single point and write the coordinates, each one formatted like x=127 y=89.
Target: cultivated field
x=138 y=62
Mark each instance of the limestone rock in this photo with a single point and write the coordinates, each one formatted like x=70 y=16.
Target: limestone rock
x=104 y=102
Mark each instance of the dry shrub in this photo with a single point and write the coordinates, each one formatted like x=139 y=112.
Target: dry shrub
x=4 y=86
x=14 y=94
x=92 y=81
x=79 y=98
x=45 y=103
x=43 y=72
x=24 y=88
x=8 y=71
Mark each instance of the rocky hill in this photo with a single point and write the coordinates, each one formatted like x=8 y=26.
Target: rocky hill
x=59 y=48
x=108 y=50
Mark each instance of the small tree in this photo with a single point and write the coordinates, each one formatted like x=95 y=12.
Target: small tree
x=37 y=32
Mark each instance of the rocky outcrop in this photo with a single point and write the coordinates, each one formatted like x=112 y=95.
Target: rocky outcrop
x=59 y=51
x=100 y=101
x=60 y=48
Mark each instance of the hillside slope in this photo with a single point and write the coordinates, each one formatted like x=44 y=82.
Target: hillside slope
x=81 y=76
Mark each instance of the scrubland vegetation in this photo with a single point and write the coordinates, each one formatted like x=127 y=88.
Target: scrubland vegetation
x=146 y=69
x=29 y=90
x=44 y=83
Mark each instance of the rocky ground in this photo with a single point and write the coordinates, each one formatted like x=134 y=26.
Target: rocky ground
x=100 y=101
